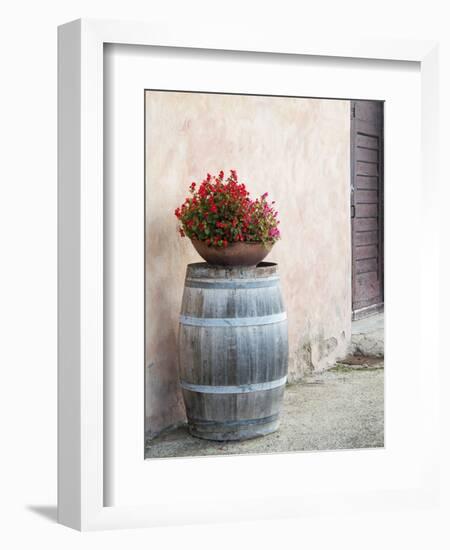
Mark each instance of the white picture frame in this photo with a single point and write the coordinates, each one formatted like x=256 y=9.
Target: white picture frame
x=81 y=481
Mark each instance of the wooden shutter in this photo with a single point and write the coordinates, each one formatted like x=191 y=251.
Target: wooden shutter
x=367 y=206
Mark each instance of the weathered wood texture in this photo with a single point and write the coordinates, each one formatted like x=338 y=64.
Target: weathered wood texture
x=233 y=350
x=367 y=206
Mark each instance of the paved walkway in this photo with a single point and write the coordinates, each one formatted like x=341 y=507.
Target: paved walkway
x=342 y=408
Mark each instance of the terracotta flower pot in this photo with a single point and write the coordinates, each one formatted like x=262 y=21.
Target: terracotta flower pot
x=239 y=254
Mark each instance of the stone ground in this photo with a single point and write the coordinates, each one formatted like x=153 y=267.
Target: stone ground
x=368 y=336
x=342 y=408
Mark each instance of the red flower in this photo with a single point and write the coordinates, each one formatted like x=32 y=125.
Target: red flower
x=236 y=216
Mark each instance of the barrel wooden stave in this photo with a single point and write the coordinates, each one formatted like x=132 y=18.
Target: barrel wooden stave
x=232 y=303
x=233 y=407
x=250 y=353
x=234 y=417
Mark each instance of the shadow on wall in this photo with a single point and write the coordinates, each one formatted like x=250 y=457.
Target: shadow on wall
x=164 y=402
x=50 y=513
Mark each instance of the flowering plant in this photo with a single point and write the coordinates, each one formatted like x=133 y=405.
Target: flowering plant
x=220 y=212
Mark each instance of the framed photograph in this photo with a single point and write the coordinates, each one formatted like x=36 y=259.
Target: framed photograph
x=244 y=261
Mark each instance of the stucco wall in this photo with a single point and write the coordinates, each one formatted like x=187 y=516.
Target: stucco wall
x=296 y=149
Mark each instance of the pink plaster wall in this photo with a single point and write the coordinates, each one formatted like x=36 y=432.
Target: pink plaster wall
x=296 y=149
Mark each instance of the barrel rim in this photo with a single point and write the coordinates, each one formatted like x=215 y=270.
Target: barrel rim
x=198 y=270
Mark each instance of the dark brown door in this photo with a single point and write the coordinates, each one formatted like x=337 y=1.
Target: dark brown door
x=367 y=207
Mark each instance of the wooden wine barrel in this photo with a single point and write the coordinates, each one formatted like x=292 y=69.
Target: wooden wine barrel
x=233 y=350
